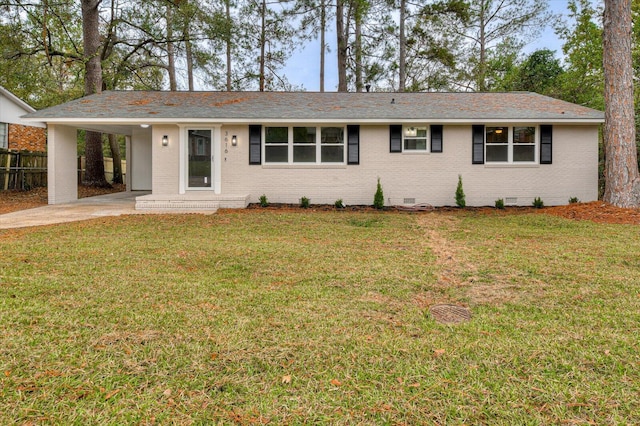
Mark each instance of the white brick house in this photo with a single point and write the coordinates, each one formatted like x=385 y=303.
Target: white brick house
x=225 y=149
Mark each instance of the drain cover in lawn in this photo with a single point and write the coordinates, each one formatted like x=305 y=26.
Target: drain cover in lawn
x=450 y=314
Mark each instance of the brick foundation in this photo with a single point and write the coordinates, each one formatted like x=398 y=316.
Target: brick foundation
x=27 y=138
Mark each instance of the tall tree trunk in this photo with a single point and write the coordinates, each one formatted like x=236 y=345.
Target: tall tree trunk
x=358 y=45
x=323 y=46
x=171 y=55
x=94 y=175
x=482 y=62
x=228 y=42
x=189 y=56
x=263 y=42
x=402 y=61
x=622 y=185
x=117 y=160
x=342 y=47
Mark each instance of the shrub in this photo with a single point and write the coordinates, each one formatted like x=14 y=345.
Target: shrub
x=537 y=203
x=573 y=200
x=263 y=201
x=378 y=199
x=500 y=204
x=339 y=204
x=460 y=198
x=304 y=202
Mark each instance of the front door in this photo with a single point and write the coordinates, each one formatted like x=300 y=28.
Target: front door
x=200 y=159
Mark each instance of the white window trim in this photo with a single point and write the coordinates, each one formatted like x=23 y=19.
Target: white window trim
x=427 y=148
x=290 y=146
x=510 y=145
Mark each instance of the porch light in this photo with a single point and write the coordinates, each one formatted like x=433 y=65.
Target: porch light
x=165 y=140
x=144 y=126
x=498 y=131
x=234 y=140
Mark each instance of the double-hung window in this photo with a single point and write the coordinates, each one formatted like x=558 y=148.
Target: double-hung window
x=414 y=139
x=304 y=145
x=276 y=144
x=510 y=144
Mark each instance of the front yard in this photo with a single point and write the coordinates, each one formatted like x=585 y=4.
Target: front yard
x=286 y=317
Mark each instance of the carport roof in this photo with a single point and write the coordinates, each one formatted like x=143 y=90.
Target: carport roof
x=160 y=106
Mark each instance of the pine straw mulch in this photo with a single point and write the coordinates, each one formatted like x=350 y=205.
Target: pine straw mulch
x=595 y=211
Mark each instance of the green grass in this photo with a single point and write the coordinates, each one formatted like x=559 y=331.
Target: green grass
x=312 y=318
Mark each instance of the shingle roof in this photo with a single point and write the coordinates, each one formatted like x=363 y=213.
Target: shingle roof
x=352 y=107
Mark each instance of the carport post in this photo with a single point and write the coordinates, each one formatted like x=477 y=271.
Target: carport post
x=62 y=173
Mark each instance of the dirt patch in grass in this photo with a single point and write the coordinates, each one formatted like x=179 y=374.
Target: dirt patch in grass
x=11 y=201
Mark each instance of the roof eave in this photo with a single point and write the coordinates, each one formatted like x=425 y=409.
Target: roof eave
x=380 y=121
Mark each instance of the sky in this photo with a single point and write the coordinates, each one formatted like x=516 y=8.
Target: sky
x=302 y=69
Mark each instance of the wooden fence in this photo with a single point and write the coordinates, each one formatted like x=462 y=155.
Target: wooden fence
x=22 y=169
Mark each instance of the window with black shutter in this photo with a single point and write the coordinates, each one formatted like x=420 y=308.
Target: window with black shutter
x=395 y=138
x=353 y=144
x=436 y=138
x=478 y=144
x=546 y=140
x=255 y=144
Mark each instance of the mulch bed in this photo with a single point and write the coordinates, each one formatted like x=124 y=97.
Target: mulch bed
x=595 y=211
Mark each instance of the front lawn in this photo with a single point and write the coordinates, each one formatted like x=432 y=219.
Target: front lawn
x=256 y=317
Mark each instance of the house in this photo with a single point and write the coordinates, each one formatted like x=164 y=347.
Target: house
x=16 y=133
x=203 y=150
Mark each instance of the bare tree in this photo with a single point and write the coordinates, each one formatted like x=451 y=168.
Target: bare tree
x=622 y=187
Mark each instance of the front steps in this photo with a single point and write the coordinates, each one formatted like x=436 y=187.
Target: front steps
x=193 y=201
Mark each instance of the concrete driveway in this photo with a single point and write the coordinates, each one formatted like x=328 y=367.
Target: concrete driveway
x=116 y=204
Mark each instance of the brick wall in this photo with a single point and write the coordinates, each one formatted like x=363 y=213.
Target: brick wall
x=27 y=138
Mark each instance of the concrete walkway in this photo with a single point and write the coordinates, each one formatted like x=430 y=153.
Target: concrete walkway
x=120 y=203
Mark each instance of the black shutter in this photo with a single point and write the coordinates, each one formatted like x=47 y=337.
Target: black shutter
x=255 y=144
x=478 y=144
x=353 y=144
x=395 y=138
x=436 y=138
x=546 y=140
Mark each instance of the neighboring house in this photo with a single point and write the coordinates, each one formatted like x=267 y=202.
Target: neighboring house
x=203 y=150
x=16 y=133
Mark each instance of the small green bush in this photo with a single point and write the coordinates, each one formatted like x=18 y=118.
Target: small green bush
x=304 y=202
x=460 y=198
x=573 y=200
x=378 y=199
x=538 y=203
x=263 y=201
x=500 y=204
x=339 y=204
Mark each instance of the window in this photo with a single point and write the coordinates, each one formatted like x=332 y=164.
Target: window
x=510 y=144
x=4 y=142
x=332 y=147
x=276 y=144
x=304 y=145
x=524 y=144
x=415 y=139
x=497 y=144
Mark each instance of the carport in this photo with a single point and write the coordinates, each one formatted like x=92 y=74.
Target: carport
x=62 y=154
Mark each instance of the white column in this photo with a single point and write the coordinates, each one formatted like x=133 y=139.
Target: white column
x=127 y=144
x=62 y=164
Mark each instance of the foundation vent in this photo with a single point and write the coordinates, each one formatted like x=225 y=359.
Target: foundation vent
x=409 y=201
x=511 y=200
